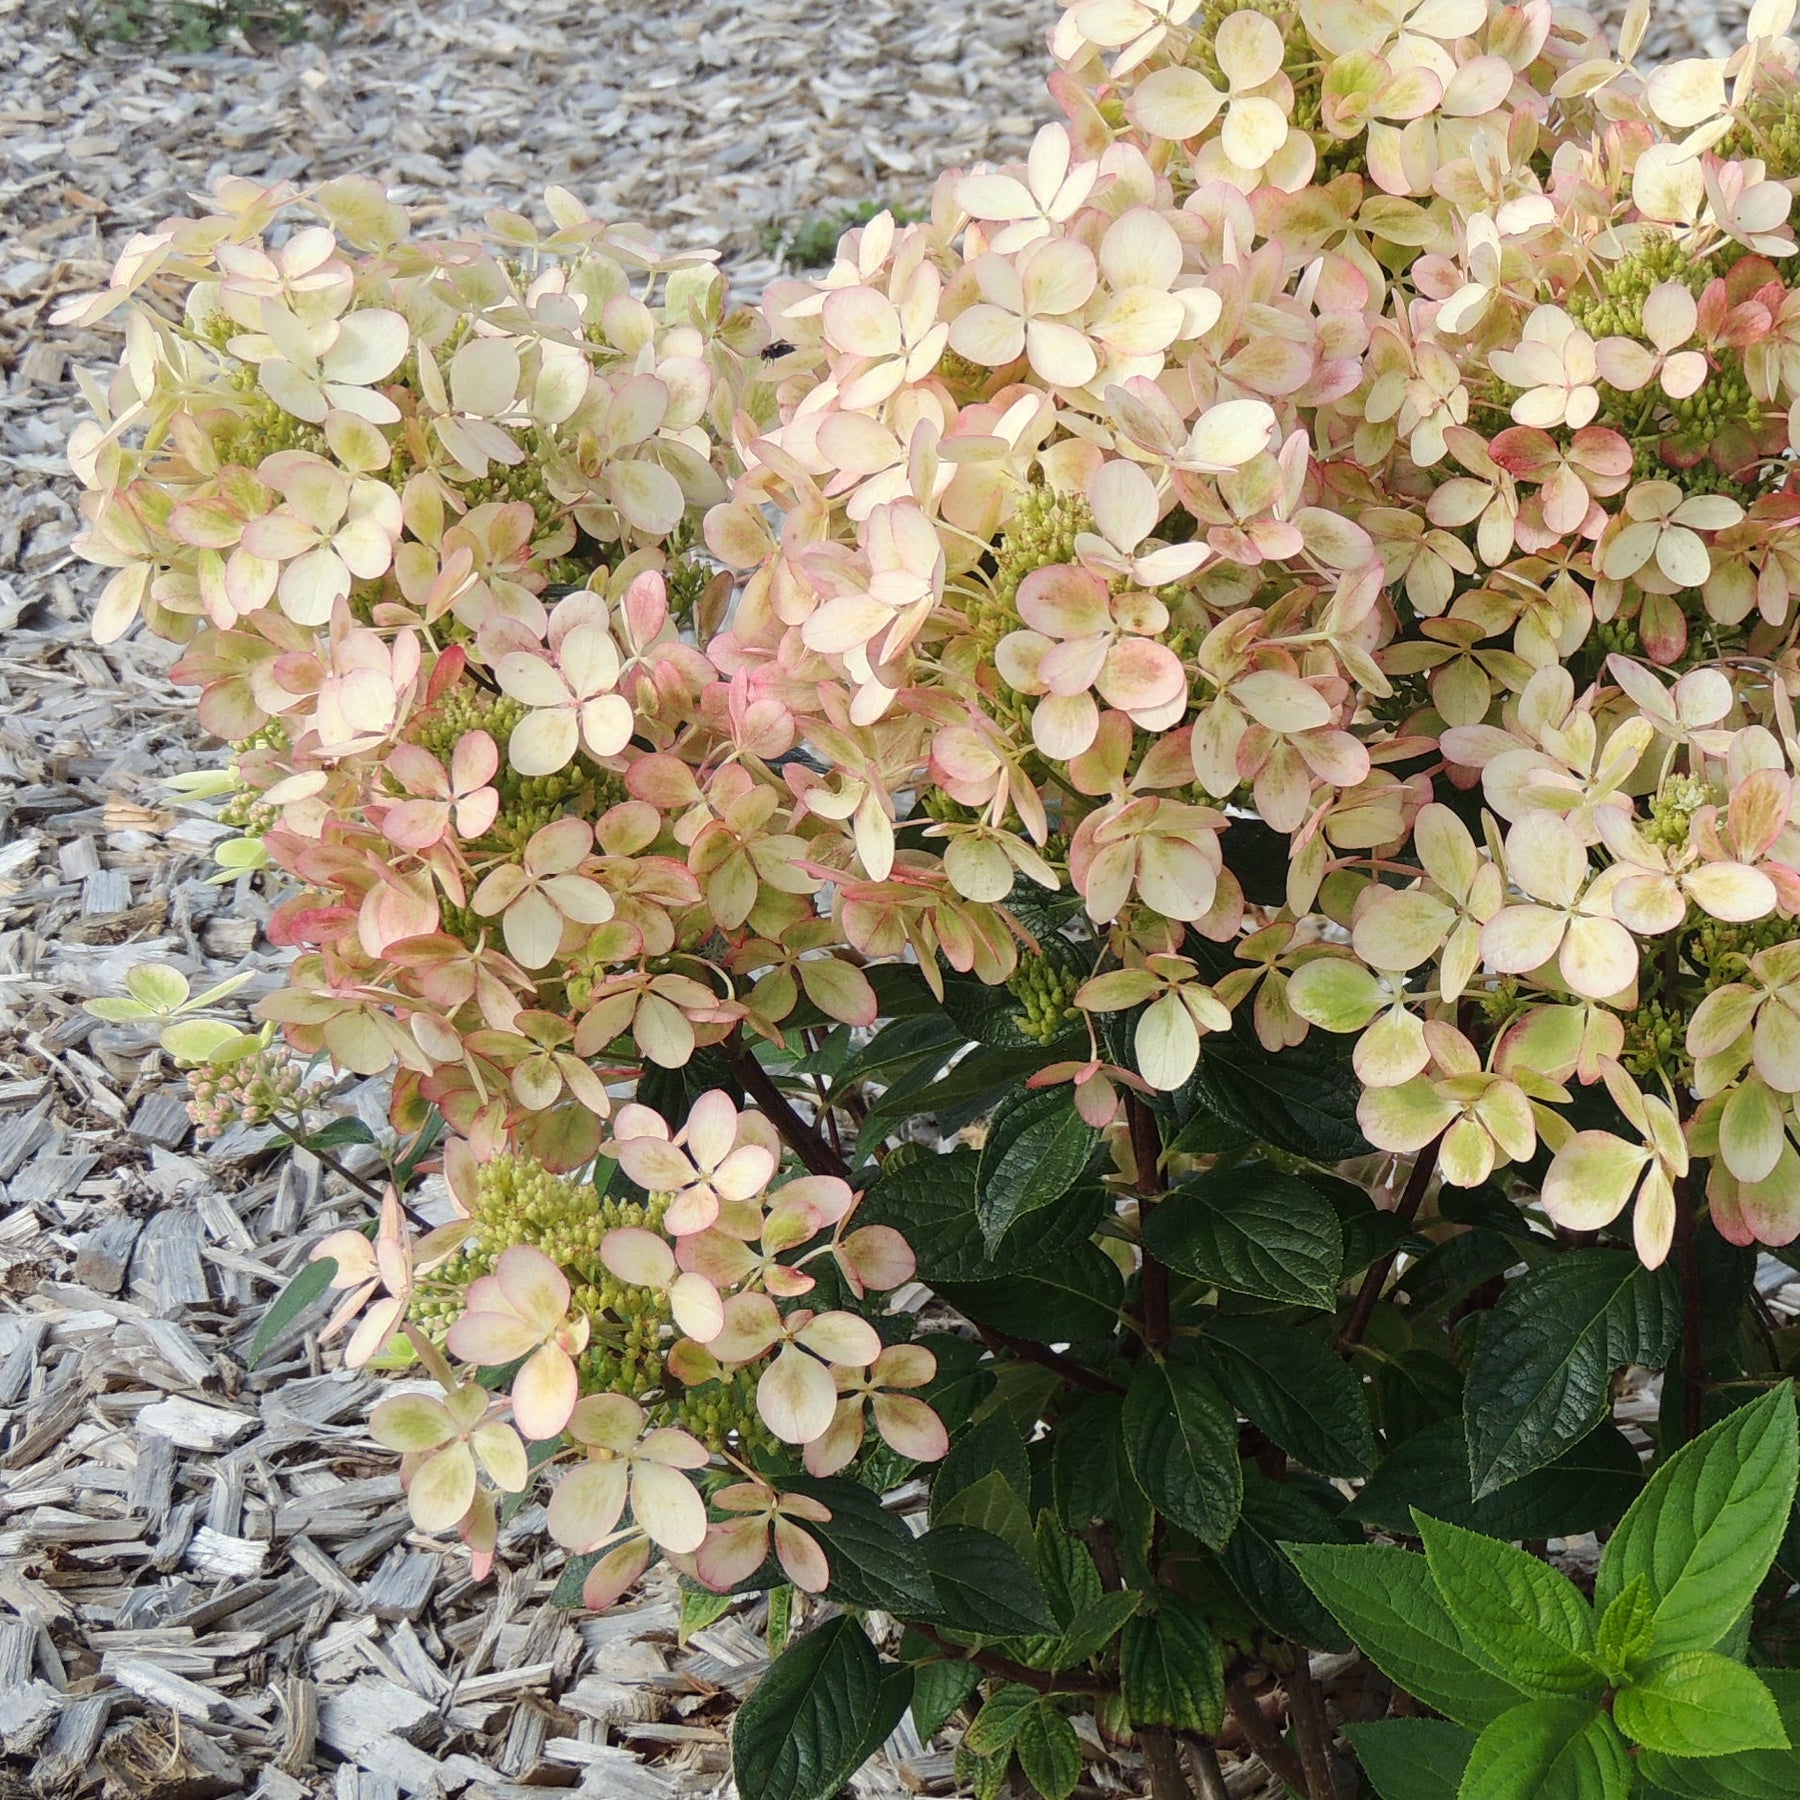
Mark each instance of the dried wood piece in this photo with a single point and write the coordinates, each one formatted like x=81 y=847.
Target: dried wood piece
x=402 y=1585
x=142 y=1761
x=167 y=1270
x=65 y=1760
x=193 y=1425
x=105 y=1253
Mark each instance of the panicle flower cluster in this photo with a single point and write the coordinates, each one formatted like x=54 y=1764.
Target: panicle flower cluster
x=1359 y=422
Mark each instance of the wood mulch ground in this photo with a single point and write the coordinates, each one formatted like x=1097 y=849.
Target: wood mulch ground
x=207 y=1583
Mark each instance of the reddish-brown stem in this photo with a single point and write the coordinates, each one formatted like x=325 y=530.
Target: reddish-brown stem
x=1162 y=1756
x=1687 y=1269
x=1412 y=1197
x=1153 y=1276
x=1312 y=1732
x=1066 y=1366
x=1208 y=1779
x=1008 y=1670
x=800 y=1137
x=1262 y=1737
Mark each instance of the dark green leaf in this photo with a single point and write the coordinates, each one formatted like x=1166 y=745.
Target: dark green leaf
x=939 y=1688
x=1069 y=1300
x=1092 y=1630
x=1549 y=1750
x=1522 y=1618
x=1181 y=1444
x=992 y=1445
x=1071 y=1582
x=975 y=1084
x=333 y=1136
x=1085 y=1462
x=1416 y=1388
x=990 y=1504
x=1699 y=1704
x=931 y=1201
x=1252 y=1231
x=1302 y=1100
x=983 y=1585
x=1171 y=1669
x=1048 y=1752
x=1587 y=1488
x=1038 y=1146
x=1386 y=1600
x=1541 y=1377
x=1290 y=1386
x=309 y=1281
x=875 y=1560
x=1277 y=1513
x=901 y=1046
x=567 y=1592
x=1704 y=1532
x=801 y=1733
x=1412 y=1759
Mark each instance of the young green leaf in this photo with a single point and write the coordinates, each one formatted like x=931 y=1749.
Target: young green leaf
x=1412 y=1759
x=1386 y=1600
x=1038 y=1146
x=1092 y=1629
x=1704 y=1532
x=1521 y=1617
x=992 y=1445
x=1699 y=1704
x=1171 y=1669
x=1048 y=1751
x=1549 y=1750
x=1623 y=1637
x=309 y=1281
x=1542 y=1368
x=1252 y=1231
x=801 y=1733
x=1289 y=1385
x=1181 y=1442
x=991 y=1505
x=996 y=1727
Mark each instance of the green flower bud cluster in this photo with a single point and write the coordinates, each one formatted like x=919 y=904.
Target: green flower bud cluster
x=1617 y=637
x=262 y=427
x=1672 y=808
x=936 y=804
x=1041 y=532
x=1768 y=127
x=530 y=802
x=250 y=1091
x=521 y=481
x=1721 y=950
x=1617 y=310
x=248 y=814
x=1045 y=990
x=464 y=709
x=1655 y=1041
x=687 y=578
x=722 y=1414
x=272 y=736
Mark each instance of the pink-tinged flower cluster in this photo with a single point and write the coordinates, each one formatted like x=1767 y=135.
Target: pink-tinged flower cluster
x=1355 y=443
x=692 y=1306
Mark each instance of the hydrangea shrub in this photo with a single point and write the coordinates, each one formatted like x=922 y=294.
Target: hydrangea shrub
x=1135 y=859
